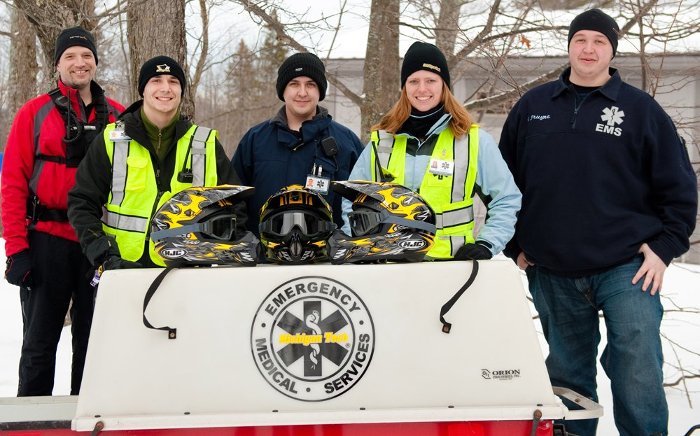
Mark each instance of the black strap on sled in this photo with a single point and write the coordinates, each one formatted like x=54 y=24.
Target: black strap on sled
x=172 y=331
x=446 y=326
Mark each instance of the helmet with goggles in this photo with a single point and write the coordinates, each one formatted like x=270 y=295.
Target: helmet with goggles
x=294 y=226
x=197 y=226
x=388 y=222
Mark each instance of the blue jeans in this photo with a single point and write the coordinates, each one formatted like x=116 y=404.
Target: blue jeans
x=632 y=359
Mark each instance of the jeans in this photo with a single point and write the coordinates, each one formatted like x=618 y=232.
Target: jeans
x=632 y=359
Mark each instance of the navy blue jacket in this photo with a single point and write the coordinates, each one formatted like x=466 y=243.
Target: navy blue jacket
x=270 y=156
x=598 y=180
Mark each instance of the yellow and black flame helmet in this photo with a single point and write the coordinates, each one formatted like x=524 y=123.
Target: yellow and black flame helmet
x=388 y=222
x=295 y=224
x=197 y=226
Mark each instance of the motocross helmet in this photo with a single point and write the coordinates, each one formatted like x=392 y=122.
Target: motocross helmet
x=197 y=226
x=389 y=222
x=294 y=226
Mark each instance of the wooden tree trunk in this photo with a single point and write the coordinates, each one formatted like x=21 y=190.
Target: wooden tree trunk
x=157 y=28
x=24 y=67
x=381 y=71
x=448 y=27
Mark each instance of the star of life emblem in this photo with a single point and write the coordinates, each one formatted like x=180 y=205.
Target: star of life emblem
x=612 y=115
x=312 y=338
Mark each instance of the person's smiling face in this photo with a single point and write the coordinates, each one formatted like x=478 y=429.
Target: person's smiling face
x=162 y=94
x=76 y=67
x=590 y=53
x=424 y=90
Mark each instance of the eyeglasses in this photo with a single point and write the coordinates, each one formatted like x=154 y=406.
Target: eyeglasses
x=309 y=224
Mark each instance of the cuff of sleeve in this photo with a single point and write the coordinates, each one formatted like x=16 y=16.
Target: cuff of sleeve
x=512 y=250
x=485 y=244
x=662 y=250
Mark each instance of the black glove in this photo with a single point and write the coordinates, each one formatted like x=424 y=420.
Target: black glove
x=101 y=249
x=478 y=251
x=18 y=269
x=116 y=262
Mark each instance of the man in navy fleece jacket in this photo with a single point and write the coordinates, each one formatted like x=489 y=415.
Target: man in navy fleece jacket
x=609 y=199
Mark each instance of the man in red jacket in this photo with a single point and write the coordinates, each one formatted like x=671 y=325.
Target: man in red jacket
x=48 y=138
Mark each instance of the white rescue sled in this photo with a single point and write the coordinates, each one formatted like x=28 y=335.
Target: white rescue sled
x=308 y=350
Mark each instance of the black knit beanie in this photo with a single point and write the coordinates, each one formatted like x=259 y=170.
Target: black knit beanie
x=71 y=37
x=158 y=66
x=302 y=64
x=596 y=20
x=424 y=56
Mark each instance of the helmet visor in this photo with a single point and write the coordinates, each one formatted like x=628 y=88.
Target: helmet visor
x=364 y=221
x=280 y=224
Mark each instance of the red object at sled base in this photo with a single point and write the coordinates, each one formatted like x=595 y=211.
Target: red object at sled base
x=475 y=428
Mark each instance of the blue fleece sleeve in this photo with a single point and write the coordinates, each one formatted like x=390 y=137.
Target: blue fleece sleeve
x=499 y=192
x=359 y=172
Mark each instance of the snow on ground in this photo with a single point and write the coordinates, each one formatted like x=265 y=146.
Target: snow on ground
x=681 y=330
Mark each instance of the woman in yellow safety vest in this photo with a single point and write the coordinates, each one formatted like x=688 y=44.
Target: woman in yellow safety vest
x=429 y=143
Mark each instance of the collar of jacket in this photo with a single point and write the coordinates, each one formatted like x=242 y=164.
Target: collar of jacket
x=437 y=128
x=310 y=129
x=166 y=134
x=281 y=117
x=611 y=88
x=134 y=128
x=76 y=103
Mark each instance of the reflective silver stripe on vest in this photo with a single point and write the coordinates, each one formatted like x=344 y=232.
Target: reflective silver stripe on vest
x=454 y=217
x=385 y=145
x=124 y=222
x=461 y=164
x=456 y=243
x=121 y=152
x=199 y=154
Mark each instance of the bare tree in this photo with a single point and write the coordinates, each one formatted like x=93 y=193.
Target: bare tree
x=24 y=67
x=381 y=81
x=158 y=28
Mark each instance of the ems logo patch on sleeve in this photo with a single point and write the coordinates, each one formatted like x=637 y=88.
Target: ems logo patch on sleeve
x=312 y=338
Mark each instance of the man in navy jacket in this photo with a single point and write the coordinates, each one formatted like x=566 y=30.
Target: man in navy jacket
x=300 y=141
x=609 y=199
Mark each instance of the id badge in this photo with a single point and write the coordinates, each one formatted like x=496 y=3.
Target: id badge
x=118 y=135
x=318 y=184
x=441 y=167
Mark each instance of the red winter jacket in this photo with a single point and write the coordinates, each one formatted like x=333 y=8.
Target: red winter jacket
x=39 y=129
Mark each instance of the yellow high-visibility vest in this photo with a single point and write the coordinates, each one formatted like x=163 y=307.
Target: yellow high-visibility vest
x=134 y=196
x=450 y=196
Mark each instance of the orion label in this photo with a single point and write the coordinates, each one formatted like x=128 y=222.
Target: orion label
x=312 y=338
